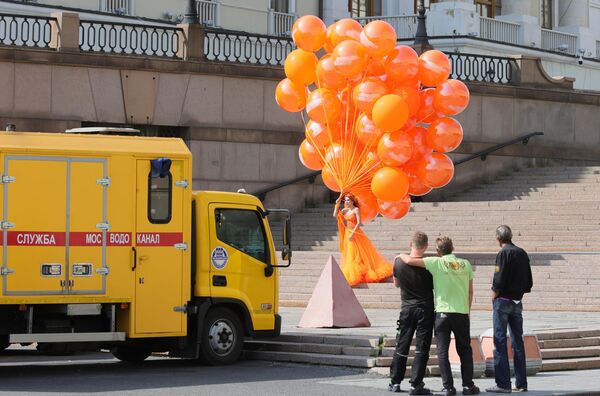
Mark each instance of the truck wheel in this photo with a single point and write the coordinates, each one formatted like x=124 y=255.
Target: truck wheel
x=222 y=337
x=130 y=354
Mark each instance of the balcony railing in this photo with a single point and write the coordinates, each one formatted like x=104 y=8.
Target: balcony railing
x=280 y=23
x=209 y=12
x=482 y=68
x=121 y=7
x=26 y=30
x=405 y=25
x=497 y=30
x=559 y=41
x=241 y=47
x=127 y=39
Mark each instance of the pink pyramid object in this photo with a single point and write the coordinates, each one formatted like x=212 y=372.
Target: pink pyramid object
x=333 y=303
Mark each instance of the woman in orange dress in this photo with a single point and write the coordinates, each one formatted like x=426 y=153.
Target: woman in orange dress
x=361 y=261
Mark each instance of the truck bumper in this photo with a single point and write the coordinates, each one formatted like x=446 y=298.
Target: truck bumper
x=270 y=333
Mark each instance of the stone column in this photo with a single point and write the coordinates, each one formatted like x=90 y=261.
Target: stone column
x=334 y=10
x=573 y=13
x=518 y=7
x=191 y=42
x=65 y=32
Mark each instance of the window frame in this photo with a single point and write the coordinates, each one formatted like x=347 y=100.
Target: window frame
x=169 y=176
x=261 y=222
x=369 y=9
x=550 y=14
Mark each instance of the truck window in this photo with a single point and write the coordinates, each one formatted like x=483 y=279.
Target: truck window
x=242 y=230
x=159 y=198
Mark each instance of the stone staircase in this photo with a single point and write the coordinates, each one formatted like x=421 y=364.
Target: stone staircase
x=570 y=349
x=554 y=213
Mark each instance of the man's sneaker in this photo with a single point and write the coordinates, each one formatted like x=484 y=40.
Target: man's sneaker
x=394 y=388
x=497 y=389
x=516 y=389
x=472 y=390
x=419 y=390
x=449 y=391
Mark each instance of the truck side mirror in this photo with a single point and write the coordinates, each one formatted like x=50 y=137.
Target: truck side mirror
x=287 y=232
x=286 y=254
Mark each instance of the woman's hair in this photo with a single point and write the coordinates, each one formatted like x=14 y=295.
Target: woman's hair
x=352 y=198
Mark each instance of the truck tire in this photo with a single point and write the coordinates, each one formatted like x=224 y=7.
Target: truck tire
x=222 y=337
x=130 y=354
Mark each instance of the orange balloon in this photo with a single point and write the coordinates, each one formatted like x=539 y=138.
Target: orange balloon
x=323 y=106
x=309 y=156
x=426 y=111
x=290 y=96
x=367 y=204
x=368 y=92
x=402 y=64
x=300 y=67
x=328 y=46
x=319 y=135
x=368 y=134
x=379 y=38
x=329 y=179
x=395 y=148
x=451 y=97
x=333 y=155
x=435 y=170
x=434 y=68
x=344 y=29
x=395 y=209
x=419 y=140
x=350 y=58
x=375 y=67
x=416 y=187
x=444 y=134
x=390 y=113
x=309 y=32
x=389 y=184
x=410 y=96
x=372 y=163
x=328 y=76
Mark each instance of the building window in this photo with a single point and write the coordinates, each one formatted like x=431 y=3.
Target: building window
x=281 y=6
x=243 y=230
x=547 y=11
x=159 y=198
x=488 y=8
x=427 y=4
x=364 y=8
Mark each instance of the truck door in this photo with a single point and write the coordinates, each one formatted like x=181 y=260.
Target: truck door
x=88 y=225
x=34 y=226
x=158 y=268
x=239 y=250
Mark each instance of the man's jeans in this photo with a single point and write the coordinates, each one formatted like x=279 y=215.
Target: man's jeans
x=508 y=313
x=412 y=319
x=459 y=324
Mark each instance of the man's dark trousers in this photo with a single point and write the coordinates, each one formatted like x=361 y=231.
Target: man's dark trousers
x=412 y=319
x=459 y=324
x=509 y=314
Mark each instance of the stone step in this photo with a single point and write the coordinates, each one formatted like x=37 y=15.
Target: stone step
x=579 y=352
x=312 y=358
x=571 y=364
x=570 y=343
x=567 y=334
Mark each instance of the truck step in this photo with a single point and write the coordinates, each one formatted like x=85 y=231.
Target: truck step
x=66 y=337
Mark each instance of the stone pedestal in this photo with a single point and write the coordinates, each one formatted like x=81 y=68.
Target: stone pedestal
x=191 y=41
x=65 y=32
x=453 y=18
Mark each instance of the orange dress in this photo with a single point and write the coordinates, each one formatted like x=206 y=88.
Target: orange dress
x=361 y=261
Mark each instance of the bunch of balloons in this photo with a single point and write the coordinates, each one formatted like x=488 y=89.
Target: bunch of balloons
x=379 y=113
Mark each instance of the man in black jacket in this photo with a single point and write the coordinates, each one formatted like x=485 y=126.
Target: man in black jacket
x=512 y=279
x=416 y=288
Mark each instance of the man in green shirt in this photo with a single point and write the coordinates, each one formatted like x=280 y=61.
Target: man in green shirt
x=453 y=288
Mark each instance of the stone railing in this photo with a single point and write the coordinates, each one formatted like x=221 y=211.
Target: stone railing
x=26 y=30
x=209 y=12
x=405 y=25
x=497 y=30
x=280 y=23
x=559 y=41
x=120 y=7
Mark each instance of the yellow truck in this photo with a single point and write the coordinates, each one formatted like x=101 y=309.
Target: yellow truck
x=105 y=245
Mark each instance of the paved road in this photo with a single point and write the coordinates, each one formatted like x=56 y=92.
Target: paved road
x=24 y=372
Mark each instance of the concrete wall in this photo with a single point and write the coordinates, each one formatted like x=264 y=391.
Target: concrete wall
x=239 y=136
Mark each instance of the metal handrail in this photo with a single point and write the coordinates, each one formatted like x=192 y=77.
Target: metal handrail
x=483 y=154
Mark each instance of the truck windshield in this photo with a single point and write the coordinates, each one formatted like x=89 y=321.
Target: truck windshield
x=242 y=230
